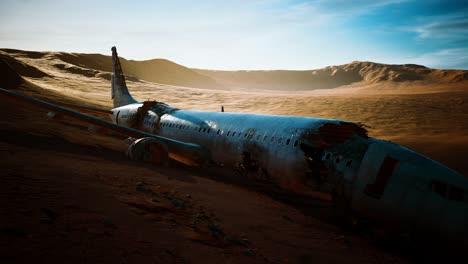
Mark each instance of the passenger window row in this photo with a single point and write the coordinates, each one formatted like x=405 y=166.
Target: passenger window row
x=247 y=135
x=250 y=135
x=447 y=191
x=337 y=160
x=171 y=125
x=148 y=123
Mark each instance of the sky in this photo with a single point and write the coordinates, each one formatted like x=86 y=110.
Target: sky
x=246 y=35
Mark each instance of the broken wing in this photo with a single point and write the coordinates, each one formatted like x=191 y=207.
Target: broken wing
x=187 y=153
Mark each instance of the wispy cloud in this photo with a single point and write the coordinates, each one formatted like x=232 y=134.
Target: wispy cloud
x=350 y=8
x=447 y=26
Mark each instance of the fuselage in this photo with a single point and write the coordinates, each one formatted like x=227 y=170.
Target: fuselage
x=383 y=181
x=277 y=145
x=380 y=179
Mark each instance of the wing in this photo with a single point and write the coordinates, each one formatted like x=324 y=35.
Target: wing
x=87 y=109
x=187 y=153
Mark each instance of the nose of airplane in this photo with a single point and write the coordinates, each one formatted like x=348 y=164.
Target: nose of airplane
x=412 y=193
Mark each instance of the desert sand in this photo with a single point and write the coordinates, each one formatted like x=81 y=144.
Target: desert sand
x=71 y=195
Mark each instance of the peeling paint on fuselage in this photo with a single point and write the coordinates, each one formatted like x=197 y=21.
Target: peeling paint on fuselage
x=271 y=141
x=289 y=149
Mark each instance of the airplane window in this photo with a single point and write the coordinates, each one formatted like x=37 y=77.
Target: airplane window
x=245 y=135
x=227 y=135
x=233 y=134
x=209 y=130
x=287 y=141
x=217 y=132
x=295 y=143
x=204 y=130
x=280 y=140
x=199 y=130
x=265 y=138
x=456 y=194
x=272 y=139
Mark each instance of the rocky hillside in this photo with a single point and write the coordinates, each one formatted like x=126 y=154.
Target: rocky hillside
x=334 y=76
x=166 y=72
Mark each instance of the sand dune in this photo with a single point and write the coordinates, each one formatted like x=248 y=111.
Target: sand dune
x=156 y=70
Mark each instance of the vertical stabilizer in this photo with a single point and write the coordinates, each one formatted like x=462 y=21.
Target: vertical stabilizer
x=120 y=93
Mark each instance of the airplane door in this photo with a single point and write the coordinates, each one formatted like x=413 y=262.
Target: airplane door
x=371 y=166
x=376 y=188
x=376 y=170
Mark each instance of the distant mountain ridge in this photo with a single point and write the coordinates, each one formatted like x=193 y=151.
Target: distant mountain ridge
x=334 y=76
x=167 y=72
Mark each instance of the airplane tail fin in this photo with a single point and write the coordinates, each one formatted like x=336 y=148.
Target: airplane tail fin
x=120 y=93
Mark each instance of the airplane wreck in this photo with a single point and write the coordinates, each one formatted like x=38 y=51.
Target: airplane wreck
x=402 y=190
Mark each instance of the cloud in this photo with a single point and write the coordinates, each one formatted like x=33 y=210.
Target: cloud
x=452 y=26
x=346 y=7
